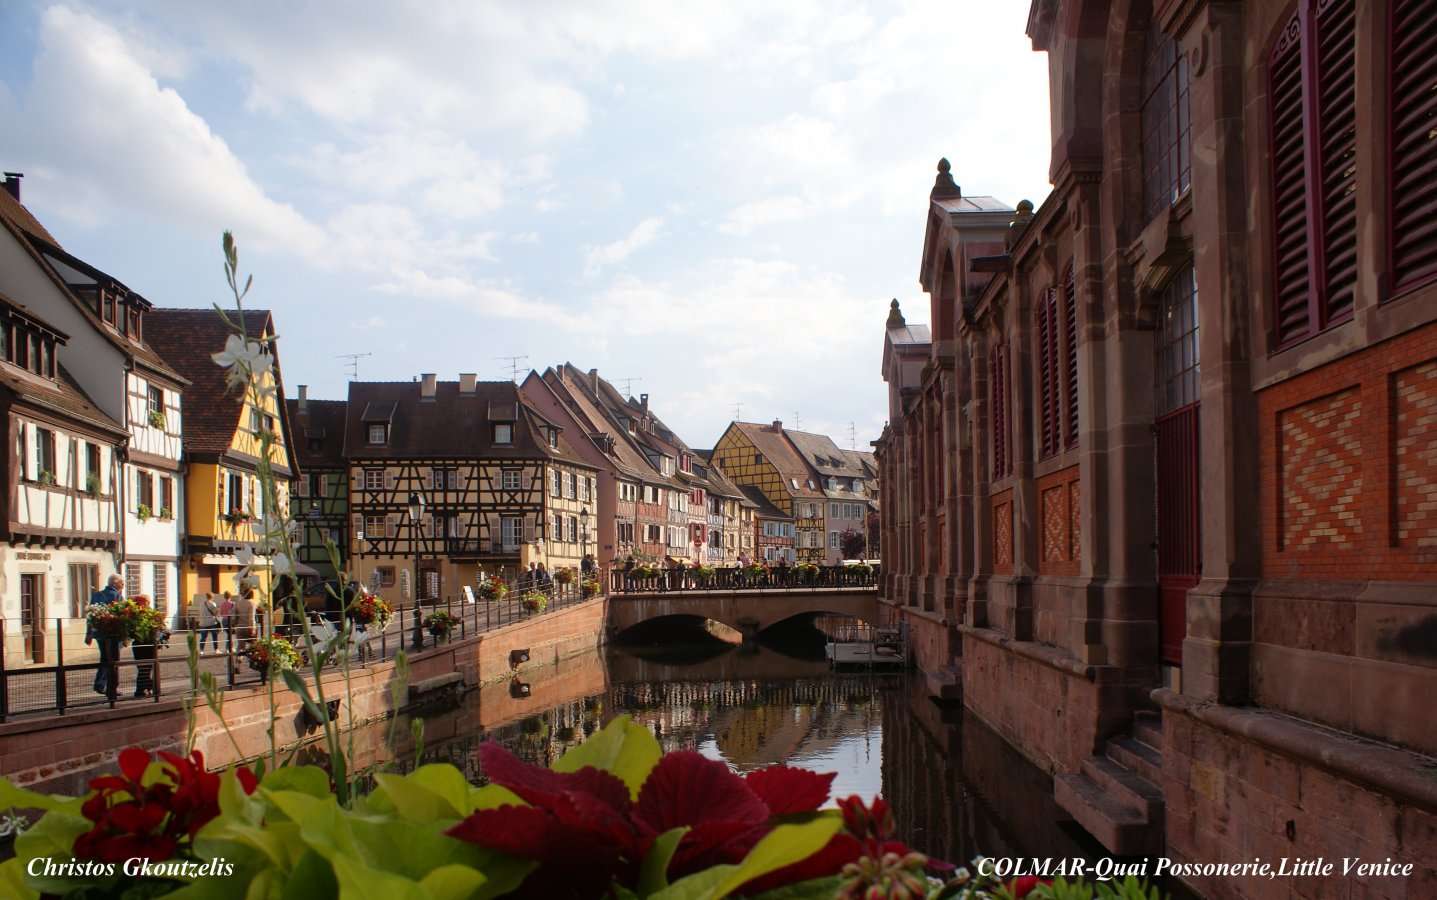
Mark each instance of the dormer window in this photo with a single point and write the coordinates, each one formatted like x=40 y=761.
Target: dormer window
x=504 y=433
x=154 y=400
x=554 y=438
x=378 y=434
x=686 y=463
x=794 y=482
x=28 y=349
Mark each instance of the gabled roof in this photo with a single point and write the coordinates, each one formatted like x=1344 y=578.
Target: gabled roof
x=48 y=255
x=453 y=425
x=186 y=338
x=820 y=452
x=864 y=461
x=321 y=421
x=719 y=485
x=764 y=506
x=601 y=402
x=780 y=453
x=63 y=397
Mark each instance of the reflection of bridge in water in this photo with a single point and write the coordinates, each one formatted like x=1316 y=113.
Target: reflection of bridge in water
x=746 y=611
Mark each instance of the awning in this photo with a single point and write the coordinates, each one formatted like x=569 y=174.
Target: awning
x=303 y=570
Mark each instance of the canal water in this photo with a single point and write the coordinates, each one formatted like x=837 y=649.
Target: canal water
x=957 y=790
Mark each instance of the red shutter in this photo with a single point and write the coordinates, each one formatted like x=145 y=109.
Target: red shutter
x=1337 y=146
x=1413 y=239
x=1070 y=331
x=1291 y=282
x=1046 y=374
x=998 y=389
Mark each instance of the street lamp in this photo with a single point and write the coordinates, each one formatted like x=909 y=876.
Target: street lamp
x=415 y=508
x=583 y=533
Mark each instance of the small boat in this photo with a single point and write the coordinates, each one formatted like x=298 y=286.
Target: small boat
x=864 y=646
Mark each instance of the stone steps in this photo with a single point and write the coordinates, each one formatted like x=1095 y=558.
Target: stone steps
x=1116 y=797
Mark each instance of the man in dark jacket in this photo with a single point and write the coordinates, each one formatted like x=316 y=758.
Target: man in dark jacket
x=109 y=646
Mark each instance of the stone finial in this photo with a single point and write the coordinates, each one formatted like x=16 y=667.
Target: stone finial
x=1021 y=217
x=895 y=317
x=944 y=187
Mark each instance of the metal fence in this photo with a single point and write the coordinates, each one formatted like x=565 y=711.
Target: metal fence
x=60 y=673
x=739 y=578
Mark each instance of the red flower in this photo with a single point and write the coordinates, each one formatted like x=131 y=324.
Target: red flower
x=585 y=831
x=138 y=821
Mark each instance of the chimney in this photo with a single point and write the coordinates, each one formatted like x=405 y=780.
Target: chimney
x=644 y=402
x=12 y=184
x=467 y=381
x=303 y=398
x=777 y=426
x=594 y=381
x=427 y=388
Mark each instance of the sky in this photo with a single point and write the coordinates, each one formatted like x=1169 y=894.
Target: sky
x=712 y=202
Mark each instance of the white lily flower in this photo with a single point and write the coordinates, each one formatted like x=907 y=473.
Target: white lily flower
x=282 y=565
x=245 y=360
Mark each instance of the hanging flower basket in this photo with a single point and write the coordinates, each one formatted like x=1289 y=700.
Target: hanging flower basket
x=371 y=609
x=590 y=586
x=534 y=602
x=108 y=620
x=272 y=654
x=143 y=623
x=564 y=576
x=440 y=624
x=494 y=589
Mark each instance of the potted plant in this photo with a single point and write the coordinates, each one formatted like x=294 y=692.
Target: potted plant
x=237 y=516
x=493 y=589
x=92 y=484
x=807 y=572
x=47 y=477
x=142 y=511
x=165 y=514
x=145 y=628
x=534 y=601
x=590 y=587
x=107 y=620
x=268 y=655
x=564 y=575
x=157 y=419
x=440 y=624
x=704 y=573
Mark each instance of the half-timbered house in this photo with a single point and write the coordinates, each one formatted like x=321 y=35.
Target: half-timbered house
x=475 y=463
x=842 y=482
x=772 y=527
x=222 y=435
x=62 y=524
x=320 y=499
x=109 y=358
x=762 y=456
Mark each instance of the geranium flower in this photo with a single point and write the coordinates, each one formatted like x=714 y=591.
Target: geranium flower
x=133 y=820
x=585 y=831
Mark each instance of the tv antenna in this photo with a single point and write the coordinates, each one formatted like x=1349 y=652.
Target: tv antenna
x=852 y=437
x=628 y=385
x=797 y=421
x=354 y=359
x=513 y=366
x=738 y=410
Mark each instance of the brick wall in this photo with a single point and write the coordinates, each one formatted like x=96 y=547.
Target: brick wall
x=1349 y=466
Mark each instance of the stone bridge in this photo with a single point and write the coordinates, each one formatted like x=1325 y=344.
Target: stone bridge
x=746 y=611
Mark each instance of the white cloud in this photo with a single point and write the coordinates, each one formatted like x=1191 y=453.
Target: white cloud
x=118 y=144
x=768 y=211
x=642 y=235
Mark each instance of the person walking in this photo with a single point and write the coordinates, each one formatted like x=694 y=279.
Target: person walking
x=106 y=676
x=244 y=617
x=629 y=565
x=209 y=623
x=586 y=566
x=227 y=619
x=783 y=571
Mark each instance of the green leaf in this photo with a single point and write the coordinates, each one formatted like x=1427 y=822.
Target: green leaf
x=12 y=881
x=19 y=798
x=452 y=882
x=785 y=845
x=435 y=791
x=54 y=837
x=310 y=780
x=623 y=748
x=698 y=886
x=654 y=873
x=357 y=882
x=823 y=888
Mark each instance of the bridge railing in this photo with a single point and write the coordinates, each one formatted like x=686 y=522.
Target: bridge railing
x=738 y=578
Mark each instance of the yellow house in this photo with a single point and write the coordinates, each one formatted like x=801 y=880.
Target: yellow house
x=223 y=437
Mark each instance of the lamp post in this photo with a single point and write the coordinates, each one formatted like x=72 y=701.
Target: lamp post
x=583 y=535
x=415 y=508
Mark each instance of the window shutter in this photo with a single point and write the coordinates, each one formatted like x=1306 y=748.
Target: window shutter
x=357 y=523
x=1413 y=220
x=356 y=480
x=1291 y=281
x=1337 y=140
x=1070 y=336
x=998 y=400
x=391 y=526
x=461 y=480
x=388 y=480
x=302 y=487
x=429 y=526
x=1047 y=374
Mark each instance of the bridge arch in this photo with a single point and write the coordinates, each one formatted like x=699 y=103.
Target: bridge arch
x=748 y=612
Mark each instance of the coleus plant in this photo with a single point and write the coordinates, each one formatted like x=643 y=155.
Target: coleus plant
x=615 y=817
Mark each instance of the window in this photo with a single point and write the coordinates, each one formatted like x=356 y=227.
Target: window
x=374 y=527
x=509 y=479
x=1412 y=247
x=653 y=534
x=167 y=497
x=555 y=484
x=374 y=479
x=160 y=575
x=256 y=420
x=1057 y=370
x=1166 y=123
x=1000 y=424
x=445 y=479
x=84 y=581
x=386 y=576
x=587 y=489
x=511 y=531
x=238 y=493
x=571 y=485
x=1313 y=109
x=794 y=482
x=571 y=529
x=1070 y=350
x=378 y=434
x=133 y=587
x=154 y=400
x=1177 y=344
x=553 y=437
x=558 y=528
x=504 y=433
x=833 y=540
x=45 y=455
x=666 y=465
x=686 y=462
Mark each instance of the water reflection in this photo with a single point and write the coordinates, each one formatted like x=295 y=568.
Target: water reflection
x=956 y=788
